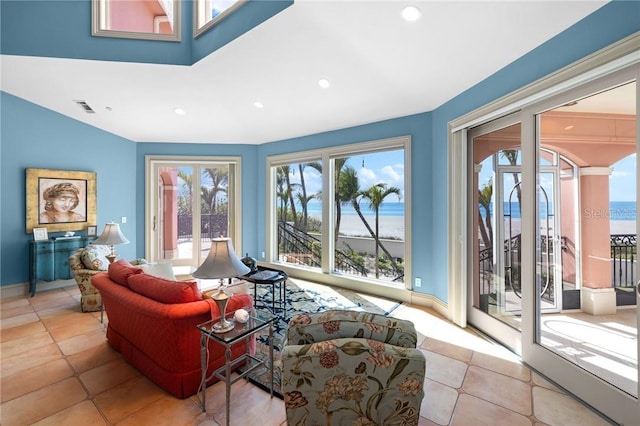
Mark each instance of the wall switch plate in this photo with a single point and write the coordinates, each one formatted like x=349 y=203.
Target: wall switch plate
x=124 y=219
x=418 y=282
x=262 y=255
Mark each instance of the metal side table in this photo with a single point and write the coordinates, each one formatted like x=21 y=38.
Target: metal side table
x=241 y=332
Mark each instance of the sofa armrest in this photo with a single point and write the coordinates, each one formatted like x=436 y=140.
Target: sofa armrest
x=333 y=324
x=342 y=381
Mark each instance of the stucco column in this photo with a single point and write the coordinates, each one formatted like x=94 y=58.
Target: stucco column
x=170 y=214
x=597 y=297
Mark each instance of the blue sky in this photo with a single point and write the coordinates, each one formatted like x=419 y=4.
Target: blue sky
x=387 y=167
x=622 y=181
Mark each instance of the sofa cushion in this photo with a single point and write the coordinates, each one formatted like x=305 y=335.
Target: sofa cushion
x=159 y=269
x=121 y=270
x=164 y=291
x=94 y=257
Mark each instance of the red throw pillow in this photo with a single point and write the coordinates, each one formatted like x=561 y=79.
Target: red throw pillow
x=165 y=291
x=121 y=270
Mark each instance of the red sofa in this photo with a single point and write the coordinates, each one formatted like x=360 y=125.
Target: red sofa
x=152 y=323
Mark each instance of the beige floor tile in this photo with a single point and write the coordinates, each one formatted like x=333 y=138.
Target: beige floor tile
x=80 y=325
x=127 y=398
x=249 y=407
x=541 y=381
x=33 y=379
x=18 y=320
x=558 y=409
x=85 y=411
x=106 y=376
x=502 y=362
x=472 y=411
x=12 y=302
x=445 y=370
x=24 y=344
x=167 y=411
x=21 y=331
x=93 y=357
x=451 y=350
x=15 y=311
x=42 y=403
x=438 y=403
x=82 y=342
x=496 y=388
x=30 y=359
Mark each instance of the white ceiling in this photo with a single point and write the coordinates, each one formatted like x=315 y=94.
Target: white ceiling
x=379 y=67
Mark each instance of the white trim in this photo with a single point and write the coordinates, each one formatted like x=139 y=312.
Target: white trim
x=235 y=213
x=605 y=61
x=595 y=171
x=325 y=155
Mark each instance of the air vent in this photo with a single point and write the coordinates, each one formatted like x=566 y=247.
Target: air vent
x=85 y=106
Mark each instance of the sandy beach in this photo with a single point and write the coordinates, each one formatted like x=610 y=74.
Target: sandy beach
x=390 y=226
x=393 y=226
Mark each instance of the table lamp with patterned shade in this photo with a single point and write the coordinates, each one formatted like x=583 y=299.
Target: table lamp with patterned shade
x=222 y=262
x=111 y=236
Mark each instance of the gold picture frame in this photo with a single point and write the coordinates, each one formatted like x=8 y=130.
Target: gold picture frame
x=60 y=200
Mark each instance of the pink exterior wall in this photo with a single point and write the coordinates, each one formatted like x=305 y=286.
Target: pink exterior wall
x=136 y=16
x=596 y=231
x=169 y=196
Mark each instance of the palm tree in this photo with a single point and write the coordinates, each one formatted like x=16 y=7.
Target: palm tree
x=219 y=183
x=376 y=195
x=184 y=205
x=305 y=215
x=484 y=201
x=282 y=193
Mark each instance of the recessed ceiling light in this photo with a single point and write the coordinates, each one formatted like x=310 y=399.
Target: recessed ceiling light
x=411 y=13
x=258 y=104
x=180 y=111
x=324 y=83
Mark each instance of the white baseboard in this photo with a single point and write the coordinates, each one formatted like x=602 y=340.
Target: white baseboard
x=22 y=289
x=429 y=301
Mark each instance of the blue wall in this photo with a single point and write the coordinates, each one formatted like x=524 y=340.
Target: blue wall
x=32 y=136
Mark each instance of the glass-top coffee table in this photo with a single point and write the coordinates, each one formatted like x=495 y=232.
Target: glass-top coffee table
x=256 y=322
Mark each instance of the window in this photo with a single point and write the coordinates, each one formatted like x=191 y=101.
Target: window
x=207 y=13
x=363 y=191
x=137 y=19
x=190 y=202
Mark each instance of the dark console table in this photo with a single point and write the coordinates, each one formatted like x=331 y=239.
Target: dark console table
x=277 y=280
x=49 y=259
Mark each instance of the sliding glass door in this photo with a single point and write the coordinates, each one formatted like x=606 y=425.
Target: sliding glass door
x=552 y=239
x=190 y=202
x=590 y=346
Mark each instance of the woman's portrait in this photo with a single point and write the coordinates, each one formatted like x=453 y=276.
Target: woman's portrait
x=62 y=201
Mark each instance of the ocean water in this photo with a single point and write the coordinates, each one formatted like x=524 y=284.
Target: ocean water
x=618 y=210
x=386 y=209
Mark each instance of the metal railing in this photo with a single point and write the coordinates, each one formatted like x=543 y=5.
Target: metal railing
x=623 y=261
x=211 y=226
x=297 y=246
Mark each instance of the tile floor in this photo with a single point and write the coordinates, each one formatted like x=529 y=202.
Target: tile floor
x=58 y=369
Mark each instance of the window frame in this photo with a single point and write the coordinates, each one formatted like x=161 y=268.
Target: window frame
x=326 y=157
x=151 y=205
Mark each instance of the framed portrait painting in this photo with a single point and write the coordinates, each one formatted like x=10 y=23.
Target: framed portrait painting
x=60 y=200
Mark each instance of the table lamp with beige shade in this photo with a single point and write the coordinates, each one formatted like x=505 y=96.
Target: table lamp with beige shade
x=222 y=262
x=111 y=236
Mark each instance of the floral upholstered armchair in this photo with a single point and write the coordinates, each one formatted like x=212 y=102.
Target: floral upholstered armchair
x=85 y=263
x=349 y=367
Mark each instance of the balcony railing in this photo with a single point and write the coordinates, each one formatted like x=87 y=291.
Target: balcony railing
x=211 y=226
x=623 y=262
